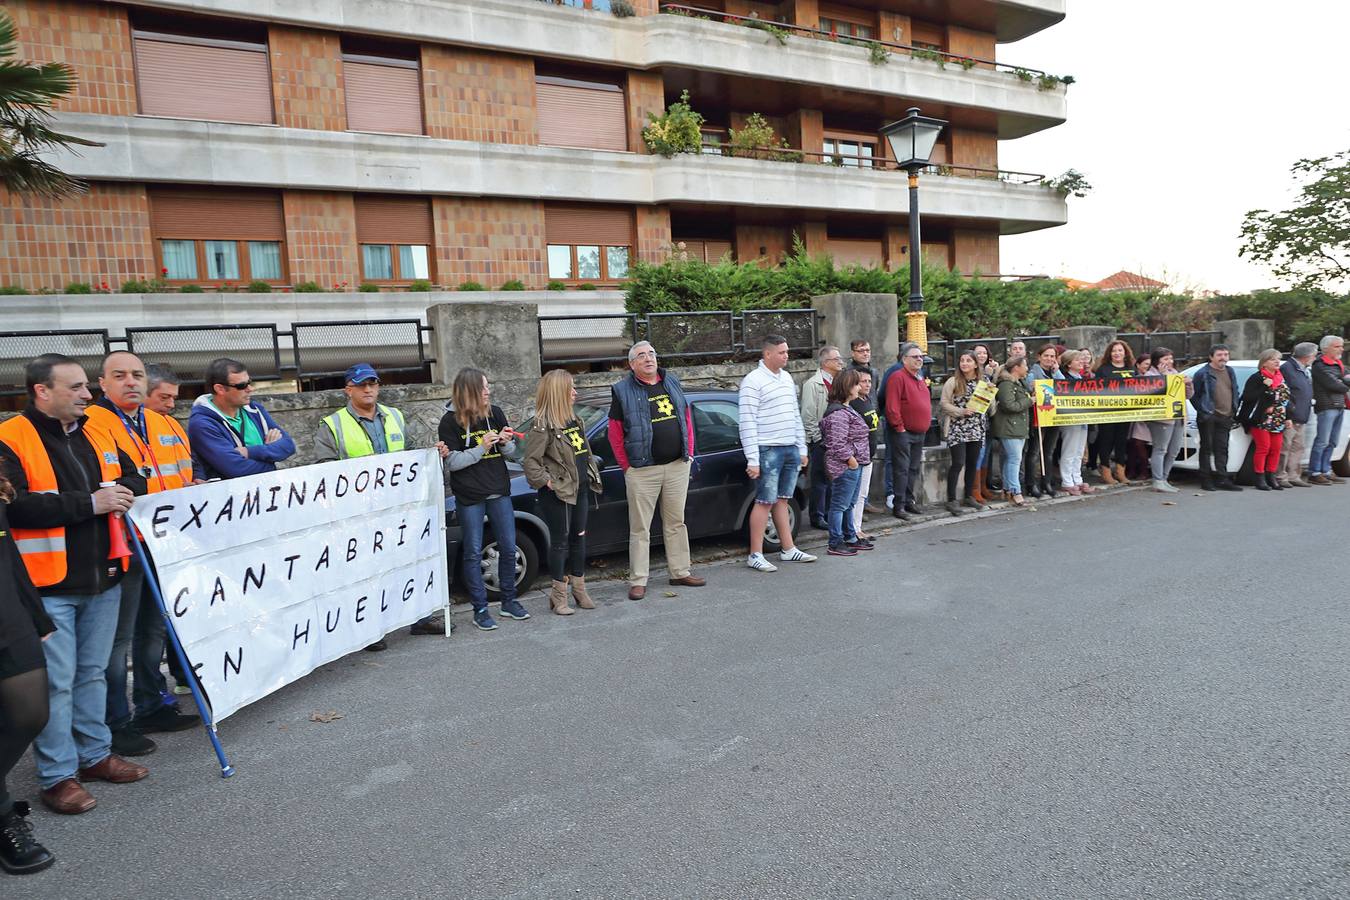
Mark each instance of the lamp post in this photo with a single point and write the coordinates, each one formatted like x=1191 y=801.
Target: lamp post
x=912 y=140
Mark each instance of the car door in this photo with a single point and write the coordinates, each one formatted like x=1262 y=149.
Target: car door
x=718 y=485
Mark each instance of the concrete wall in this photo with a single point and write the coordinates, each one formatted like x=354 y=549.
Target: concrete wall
x=176 y=150
x=1246 y=338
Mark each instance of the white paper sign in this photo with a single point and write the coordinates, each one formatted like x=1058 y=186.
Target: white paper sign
x=268 y=577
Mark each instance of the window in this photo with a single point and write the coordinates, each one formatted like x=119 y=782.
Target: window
x=840 y=28
x=193 y=68
x=927 y=36
x=383 y=86
x=713 y=139
x=395 y=235
x=709 y=250
x=588 y=243
x=218 y=235
x=395 y=262
x=716 y=426
x=223 y=261
x=586 y=262
x=853 y=152
x=180 y=258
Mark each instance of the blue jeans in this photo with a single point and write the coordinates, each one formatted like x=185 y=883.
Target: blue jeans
x=502 y=517
x=1012 y=464
x=778 y=468
x=843 y=494
x=77 y=654
x=140 y=631
x=1328 y=435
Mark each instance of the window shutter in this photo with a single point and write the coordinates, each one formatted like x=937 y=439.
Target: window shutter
x=849 y=251
x=382 y=98
x=393 y=220
x=925 y=33
x=196 y=81
x=217 y=215
x=572 y=116
x=608 y=225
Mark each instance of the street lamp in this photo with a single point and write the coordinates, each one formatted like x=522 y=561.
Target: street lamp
x=912 y=140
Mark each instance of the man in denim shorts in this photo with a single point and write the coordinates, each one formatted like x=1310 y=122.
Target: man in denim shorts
x=775 y=450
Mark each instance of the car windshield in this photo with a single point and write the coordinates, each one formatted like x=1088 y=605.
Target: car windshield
x=588 y=413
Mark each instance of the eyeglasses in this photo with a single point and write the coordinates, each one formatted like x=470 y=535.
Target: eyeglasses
x=241 y=386
x=644 y=354
x=913 y=356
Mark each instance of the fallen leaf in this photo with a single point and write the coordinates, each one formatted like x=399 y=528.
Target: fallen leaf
x=669 y=594
x=325 y=717
x=1169 y=503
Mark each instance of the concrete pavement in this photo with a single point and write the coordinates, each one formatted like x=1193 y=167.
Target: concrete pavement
x=1108 y=698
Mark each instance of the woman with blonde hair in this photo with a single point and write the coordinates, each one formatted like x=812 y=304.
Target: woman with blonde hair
x=559 y=465
x=479 y=440
x=1264 y=412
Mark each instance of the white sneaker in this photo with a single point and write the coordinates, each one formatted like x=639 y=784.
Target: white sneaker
x=890 y=501
x=796 y=554
x=1163 y=487
x=760 y=564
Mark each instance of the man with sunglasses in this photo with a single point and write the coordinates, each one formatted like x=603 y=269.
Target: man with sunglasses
x=230 y=435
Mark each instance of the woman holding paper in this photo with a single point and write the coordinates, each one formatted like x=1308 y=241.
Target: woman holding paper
x=1264 y=411
x=1073 y=438
x=964 y=430
x=988 y=369
x=1012 y=425
x=24 y=625
x=1166 y=433
x=1113 y=438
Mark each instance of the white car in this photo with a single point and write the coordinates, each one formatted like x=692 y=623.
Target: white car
x=1240 y=443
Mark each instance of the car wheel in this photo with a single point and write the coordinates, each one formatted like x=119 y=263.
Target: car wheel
x=1342 y=466
x=772 y=544
x=527 y=564
x=1246 y=476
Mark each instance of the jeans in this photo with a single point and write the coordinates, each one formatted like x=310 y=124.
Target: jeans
x=1214 y=430
x=77 y=734
x=1012 y=463
x=843 y=493
x=566 y=532
x=906 y=463
x=888 y=474
x=141 y=632
x=1073 y=442
x=1166 y=442
x=820 y=481
x=502 y=517
x=1328 y=435
x=778 y=468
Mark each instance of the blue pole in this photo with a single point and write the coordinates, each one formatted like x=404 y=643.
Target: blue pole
x=226 y=770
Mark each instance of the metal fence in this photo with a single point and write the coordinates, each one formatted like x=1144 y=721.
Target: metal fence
x=1187 y=346
x=309 y=350
x=945 y=353
x=693 y=336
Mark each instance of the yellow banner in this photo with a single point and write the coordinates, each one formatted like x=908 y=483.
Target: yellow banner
x=1094 y=401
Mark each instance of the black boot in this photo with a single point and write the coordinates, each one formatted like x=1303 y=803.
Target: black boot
x=1207 y=482
x=1048 y=487
x=1033 y=487
x=1261 y=483
x=1273 y=482
x=20 y=853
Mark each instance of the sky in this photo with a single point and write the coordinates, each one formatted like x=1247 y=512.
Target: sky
x=1185 y=115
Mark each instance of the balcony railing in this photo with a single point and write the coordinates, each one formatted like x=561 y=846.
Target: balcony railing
x=1044 y=80
x=849 y=161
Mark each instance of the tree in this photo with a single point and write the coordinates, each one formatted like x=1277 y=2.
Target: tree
x=27 y=91
x=1308 y=244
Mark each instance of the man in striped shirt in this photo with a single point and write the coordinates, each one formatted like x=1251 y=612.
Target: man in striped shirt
x=775 y=450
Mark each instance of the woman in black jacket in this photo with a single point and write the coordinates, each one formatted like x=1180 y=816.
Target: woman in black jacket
x=1113 y=438
x=24 y=624
x=1263 y=411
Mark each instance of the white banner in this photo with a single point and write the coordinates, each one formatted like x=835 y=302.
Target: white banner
x=268 y=577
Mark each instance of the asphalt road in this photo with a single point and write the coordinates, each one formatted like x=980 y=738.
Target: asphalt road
x=1105 y=698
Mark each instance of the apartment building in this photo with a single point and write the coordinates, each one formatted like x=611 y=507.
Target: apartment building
x=347 y=142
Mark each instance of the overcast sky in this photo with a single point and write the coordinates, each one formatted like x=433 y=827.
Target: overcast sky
x=1186 y=114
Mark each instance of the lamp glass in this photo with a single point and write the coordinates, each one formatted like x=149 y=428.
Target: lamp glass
x=913 y=138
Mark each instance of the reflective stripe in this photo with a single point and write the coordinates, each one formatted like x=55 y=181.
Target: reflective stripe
x=55 y=544
x=49 y=491
x=172 y=468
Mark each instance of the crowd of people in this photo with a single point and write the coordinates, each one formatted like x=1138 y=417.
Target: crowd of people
x=77 y=612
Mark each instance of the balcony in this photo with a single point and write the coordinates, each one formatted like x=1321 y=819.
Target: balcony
x=156 y=150
x=1004 y=101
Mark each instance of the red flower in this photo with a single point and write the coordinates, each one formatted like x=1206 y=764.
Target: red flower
x=164 y=271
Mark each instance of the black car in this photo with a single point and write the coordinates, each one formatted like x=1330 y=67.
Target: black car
x=720 y=494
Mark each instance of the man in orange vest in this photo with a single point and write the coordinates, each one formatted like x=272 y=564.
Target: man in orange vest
x=63 y=521
x=159 y=448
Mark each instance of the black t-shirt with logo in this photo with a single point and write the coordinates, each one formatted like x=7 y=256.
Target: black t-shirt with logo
x=487 y=477
x=574 y=436
x=667 y=445
x=873 y=419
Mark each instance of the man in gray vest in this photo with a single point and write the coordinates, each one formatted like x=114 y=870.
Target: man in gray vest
x=652 y=435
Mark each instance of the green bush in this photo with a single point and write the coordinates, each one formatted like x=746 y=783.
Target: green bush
x=622 y=9
x=586 y=287
x=79 y=287
x=470 y=286
x=1299 y=315
x=13 y=290
x=556 y=286
x=677 y=130
x=190 y=289
x=513 y=285
x=260 y=287
x=308 y=287
x=135 y=286
x=756 y=140
x=420 y=284
x=368 y=288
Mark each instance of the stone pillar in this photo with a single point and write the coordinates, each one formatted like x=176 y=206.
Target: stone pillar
x=1246 y=338
x=849 y=317
x=501 y=338
x=1094 y=337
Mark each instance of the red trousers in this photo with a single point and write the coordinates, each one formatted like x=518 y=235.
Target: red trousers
x=1268 y=445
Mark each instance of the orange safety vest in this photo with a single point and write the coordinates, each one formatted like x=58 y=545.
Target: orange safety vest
x=166 y=462
x=44 y=549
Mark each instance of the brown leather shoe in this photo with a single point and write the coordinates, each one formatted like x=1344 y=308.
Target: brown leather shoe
x=637 y=592
x=69 y=798
x=114 y=769
x=690 y=581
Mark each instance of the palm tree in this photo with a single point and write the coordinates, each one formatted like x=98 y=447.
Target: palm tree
x=27 y=91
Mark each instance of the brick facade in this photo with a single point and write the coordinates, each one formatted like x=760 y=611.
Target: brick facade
x=653 y=234
x=321 y=238
x=645 y=94
x=470 y=95
x=307 y=78
x=92 y=38
x=103 y=235
x=489 y=241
